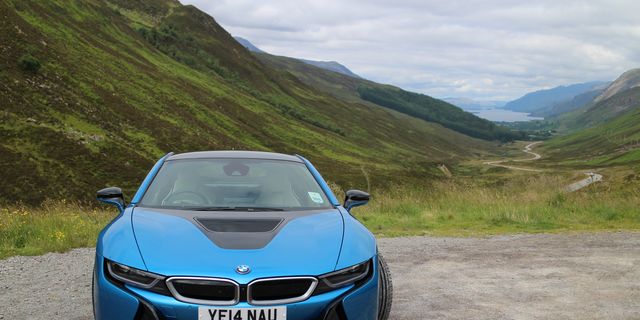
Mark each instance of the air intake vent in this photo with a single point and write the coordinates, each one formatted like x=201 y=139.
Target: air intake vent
x=280 y=290
x=239 y=225
x=204 y=290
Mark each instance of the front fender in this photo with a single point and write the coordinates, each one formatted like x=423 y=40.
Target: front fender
x=117 y=242
x=358 y=243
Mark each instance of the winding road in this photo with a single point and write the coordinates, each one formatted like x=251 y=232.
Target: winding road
x=592 y=176
x=527 y=149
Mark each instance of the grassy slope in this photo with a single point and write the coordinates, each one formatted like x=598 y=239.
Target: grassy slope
x=613 y=100
x=513 y=203
x=610 y=134
x=626 y=81
x=493 y=201
x=56 y=226
x=363 y=91
x=431 y=109
x=123 y=82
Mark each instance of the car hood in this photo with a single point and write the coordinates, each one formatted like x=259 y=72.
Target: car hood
x=213 y=244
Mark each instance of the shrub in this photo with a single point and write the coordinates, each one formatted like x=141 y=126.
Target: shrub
x=29 y=63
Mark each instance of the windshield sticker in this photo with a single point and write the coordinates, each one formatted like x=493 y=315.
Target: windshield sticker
x=315 y=197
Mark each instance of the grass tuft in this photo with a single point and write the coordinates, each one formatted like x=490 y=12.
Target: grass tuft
x=52 y=227
x=455 y=207
x=522 y=204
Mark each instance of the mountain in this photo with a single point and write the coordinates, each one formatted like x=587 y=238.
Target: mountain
x=612 y=142
x=363 y=91
x=331 y=66
x=626 y=81
x=617 y=99
x=358 y=90
x=327 y=65
x=541 y=100
x=434 y=110
x=247 y=44
x=471 y=104
x=582 y=100
x=93 y=92
x=607 y=132
x=604 y=104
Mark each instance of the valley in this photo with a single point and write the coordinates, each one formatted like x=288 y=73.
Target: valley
x=488 y=152
x=592 y=177
x=503 y=115
x=527 y=150
x=144 y=78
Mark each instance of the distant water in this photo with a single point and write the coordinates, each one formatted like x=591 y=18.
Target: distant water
x=503 y=115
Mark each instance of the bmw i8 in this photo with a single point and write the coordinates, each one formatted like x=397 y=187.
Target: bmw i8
x=237 y=235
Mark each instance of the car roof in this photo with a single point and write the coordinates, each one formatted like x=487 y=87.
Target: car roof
x=234 y=154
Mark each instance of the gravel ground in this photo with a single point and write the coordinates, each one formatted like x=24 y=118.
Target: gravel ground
x=576 y=276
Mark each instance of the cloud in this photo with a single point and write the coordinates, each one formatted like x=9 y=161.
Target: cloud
x=493 y=49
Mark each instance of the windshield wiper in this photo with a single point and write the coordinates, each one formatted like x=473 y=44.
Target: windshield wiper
x=250 y=209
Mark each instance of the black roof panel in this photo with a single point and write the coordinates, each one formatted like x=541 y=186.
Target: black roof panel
x=234 y=154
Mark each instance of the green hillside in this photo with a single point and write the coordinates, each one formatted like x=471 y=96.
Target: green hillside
x=417 y=105
x=628 y=80
x=609 y=108
x=434 y=110
x=609 y=134
x=93 y=92
x=600 y=105
x=337 y=85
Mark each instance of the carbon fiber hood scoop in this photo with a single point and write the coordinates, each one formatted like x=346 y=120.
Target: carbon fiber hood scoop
x=194 y=243
x=239 y=225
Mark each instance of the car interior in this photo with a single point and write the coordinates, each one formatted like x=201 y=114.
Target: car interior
x=235 y=183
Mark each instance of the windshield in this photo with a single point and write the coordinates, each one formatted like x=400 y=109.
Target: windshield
x=235 y=184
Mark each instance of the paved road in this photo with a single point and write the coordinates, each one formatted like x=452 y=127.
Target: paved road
x=527 y=149
x=592 y=176
x=575 y=276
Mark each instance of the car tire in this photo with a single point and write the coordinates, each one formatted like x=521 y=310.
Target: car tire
x=385 y=292
x=93 y=292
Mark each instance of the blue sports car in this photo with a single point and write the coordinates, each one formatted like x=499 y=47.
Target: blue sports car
x=237 y=235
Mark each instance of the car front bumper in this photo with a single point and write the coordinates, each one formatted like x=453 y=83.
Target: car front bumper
x=112 y=301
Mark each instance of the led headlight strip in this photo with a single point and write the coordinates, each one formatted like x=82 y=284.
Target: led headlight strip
x=133 y=276
x=346 y=276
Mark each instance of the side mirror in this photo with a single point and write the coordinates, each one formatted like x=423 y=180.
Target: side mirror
x=112 y=195
x=355 y=198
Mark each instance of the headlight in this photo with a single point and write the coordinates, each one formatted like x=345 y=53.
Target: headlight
x=343 y=277
x=135 y=277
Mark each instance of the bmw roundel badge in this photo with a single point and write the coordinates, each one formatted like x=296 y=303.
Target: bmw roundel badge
x=243 y=269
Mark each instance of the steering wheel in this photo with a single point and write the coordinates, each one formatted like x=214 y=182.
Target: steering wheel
x=188 y=198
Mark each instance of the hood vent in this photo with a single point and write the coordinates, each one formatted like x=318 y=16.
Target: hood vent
x=239 y=225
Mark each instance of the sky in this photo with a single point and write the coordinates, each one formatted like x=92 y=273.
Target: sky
x=483 y=50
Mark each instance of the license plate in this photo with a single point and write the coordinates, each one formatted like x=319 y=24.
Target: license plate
x=272 y=313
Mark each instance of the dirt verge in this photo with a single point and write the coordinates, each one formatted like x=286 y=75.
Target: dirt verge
x=570 y=276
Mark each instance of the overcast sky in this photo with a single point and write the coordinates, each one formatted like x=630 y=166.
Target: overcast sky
x=488 y=50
